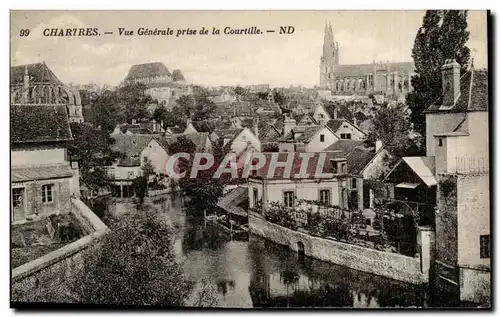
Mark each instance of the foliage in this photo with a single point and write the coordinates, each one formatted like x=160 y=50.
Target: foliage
x=447 y=186
x=270 y=147
x=134 y=264
x=91 y=147
x=314 y=223
x=238 y=90
x=391 y=126
x=443 y=35
x=133 y=98
x=140 y=185
x=277 y=213
x=204 y=190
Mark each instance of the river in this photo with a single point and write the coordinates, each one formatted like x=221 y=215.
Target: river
x=253 y=272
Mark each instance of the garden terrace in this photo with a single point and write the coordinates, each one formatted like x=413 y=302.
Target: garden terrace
x=34 y=239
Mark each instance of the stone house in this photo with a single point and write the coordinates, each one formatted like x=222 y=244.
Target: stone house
x=305 y=138
x=43 y=177
x=457 y=136
x=456 y=171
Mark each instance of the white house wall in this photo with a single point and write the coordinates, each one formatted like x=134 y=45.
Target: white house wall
x=316 y=145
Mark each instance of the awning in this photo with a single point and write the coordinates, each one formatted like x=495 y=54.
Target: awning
x=407 y=185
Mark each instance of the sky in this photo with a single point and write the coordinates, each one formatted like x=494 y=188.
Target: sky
x=212 y=60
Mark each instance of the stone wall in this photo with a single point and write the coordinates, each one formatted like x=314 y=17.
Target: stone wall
x=391 y=265
x=51 y=273
x=475 y=285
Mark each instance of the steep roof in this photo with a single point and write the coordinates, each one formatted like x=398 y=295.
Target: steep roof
x=131 y=146
x=424 y=168
x=312 y=164
x=35 y=123
x=38 y=72
x=357 y=153
x=41 y=172
x=363 y=69
x=231 y=201
x=147 y=70
x=306 y=133
x=177 y=76
x=473 y=94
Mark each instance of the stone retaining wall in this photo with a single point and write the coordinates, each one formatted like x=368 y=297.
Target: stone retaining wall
x=391 y=265
x=50 y=272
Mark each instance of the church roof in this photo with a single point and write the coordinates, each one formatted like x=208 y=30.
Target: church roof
x=34 y=123
x=38 y=72
x=177 y=76
x=363 y=69
x=473 y=94
x=147 y=70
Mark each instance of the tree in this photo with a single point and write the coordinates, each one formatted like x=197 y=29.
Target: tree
x=134 y=100
x=91 y=147
x=134 y=264
x=443 y=35
x=391 y=126
x=279 y=98
x=240 y=91
x=106 y=111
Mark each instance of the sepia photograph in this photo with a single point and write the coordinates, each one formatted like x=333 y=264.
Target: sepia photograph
x=250 y=159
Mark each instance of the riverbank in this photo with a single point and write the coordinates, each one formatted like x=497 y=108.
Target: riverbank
x=390 y=265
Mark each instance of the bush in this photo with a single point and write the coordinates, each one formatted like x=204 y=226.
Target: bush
x=134 y=264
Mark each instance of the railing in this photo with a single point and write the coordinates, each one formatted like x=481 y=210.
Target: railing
x=472 y=165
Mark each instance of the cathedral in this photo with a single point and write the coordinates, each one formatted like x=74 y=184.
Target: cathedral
x=389 y=79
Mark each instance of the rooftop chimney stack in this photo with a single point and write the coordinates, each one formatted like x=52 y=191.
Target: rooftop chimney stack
x=288 y=125
x=451 y=82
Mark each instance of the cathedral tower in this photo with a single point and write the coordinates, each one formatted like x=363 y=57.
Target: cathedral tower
x=329 y=59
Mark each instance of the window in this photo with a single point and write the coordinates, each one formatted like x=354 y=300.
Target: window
x=484 y=245
x=345 y=136
x=145 y=159
x=353 y=183
x=324 y=197
x=345 y=126
x=440 y=142
x=130 y=174
x=47 y=193
x=255 y=197
x=322 y=138
x=17 y=197
x=288 y=197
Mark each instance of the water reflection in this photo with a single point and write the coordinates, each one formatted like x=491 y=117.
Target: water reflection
x=258 y=273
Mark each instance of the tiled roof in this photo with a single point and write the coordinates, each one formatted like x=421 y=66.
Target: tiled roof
x=473 y=94
x=38 y=72
x=131 y=146
x=335 y=124
x=357 y=153
x=231 y=201
x=177 y=76
x=41 y=173
x=307 y=133
x=342 y=110
x=147 y=70
x=176 y=129
x=312 y=165
x=39 y=123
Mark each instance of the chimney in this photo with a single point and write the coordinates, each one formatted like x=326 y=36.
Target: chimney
x=288 y=125
x=355 y=121
x=26 y=82
x=451 y=82
x=154 y=125
x=378 y=145
x=134 y=121
x=161 y=126
x=335 y=113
